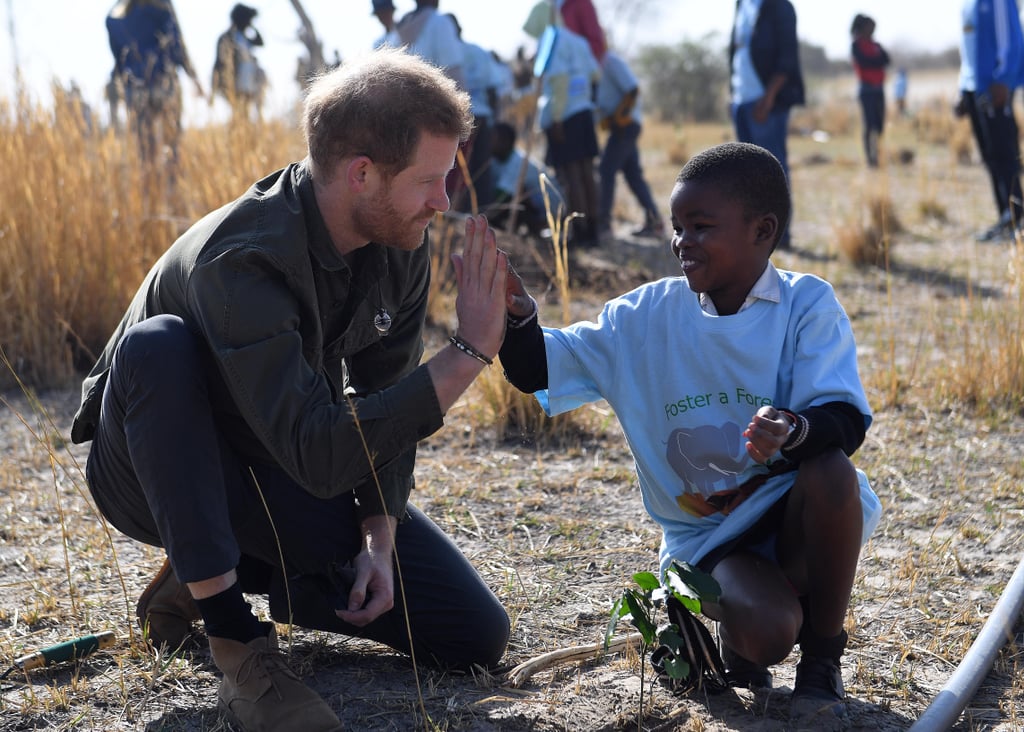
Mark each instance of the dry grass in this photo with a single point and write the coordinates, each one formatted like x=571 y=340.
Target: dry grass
x=547 y=510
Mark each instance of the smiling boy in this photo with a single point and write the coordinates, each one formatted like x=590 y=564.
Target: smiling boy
x=763 y=497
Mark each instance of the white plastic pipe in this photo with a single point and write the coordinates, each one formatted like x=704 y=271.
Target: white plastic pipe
x=945 y=708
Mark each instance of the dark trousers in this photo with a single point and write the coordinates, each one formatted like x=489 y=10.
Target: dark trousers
x=622 y=152
x=872 y=107
x=995 y=131
x=163 y=470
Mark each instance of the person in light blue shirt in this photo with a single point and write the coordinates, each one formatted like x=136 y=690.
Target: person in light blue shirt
x=566 y=113
x=433 y=37
x=991 y=69
x=619 y=111
x=482 y=79
x=507 y=164
x=384 y=10
x=737 y=389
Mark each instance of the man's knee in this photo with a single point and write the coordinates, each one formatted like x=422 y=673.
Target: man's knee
x=156 y=344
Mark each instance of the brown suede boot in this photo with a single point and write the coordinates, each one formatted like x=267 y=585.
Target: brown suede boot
x=166 y=610
x=259 y=693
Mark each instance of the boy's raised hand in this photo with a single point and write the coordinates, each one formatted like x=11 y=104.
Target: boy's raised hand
x=517 y=299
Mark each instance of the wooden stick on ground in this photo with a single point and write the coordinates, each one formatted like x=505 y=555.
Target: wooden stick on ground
x=522 y=673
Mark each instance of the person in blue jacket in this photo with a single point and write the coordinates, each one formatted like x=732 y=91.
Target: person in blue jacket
x=991 y=69
x=765 y=76
x=737 y=389
x=146 y=42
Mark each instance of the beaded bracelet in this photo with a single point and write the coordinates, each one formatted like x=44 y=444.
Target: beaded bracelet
x=514 y=323
x=469 y=350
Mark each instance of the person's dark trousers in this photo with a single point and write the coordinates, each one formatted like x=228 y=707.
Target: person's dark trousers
x=872 y=106
x=164 y=471
x=995 y=131
x=770 y=134
x=622 y=152
x=479 y=162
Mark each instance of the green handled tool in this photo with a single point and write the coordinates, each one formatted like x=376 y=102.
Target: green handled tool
x=67 y=651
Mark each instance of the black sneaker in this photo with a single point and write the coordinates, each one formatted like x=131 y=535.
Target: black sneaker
x=1002 y=230
x=744 y=674
x=818 y=693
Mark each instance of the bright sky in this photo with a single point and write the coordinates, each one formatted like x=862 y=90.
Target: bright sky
x=67 y=39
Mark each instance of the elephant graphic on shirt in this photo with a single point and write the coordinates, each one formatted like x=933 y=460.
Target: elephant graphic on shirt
x=704 y=458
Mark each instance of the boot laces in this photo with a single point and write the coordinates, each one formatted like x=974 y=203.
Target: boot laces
x=269 y=664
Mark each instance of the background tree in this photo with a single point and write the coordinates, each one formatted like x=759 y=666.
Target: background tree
x=687 y=81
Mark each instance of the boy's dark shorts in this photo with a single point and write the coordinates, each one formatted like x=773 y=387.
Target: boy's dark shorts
x=759 y=538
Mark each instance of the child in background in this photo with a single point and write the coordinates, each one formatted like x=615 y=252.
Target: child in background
x=737 y=389
x=869 y=61
x=899 y=90
x=506 y=165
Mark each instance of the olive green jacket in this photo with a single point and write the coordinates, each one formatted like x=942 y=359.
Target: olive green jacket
x=307 y=380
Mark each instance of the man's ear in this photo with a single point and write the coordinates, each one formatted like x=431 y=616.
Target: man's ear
x=767 y=229
x=360 y=172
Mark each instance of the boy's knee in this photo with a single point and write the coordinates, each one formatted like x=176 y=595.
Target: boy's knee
x=767 y=637
x=829 y=477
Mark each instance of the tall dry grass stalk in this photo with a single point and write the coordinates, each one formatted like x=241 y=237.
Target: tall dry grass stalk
x=84 y=218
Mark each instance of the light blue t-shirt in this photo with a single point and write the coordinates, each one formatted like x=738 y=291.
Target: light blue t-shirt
x=571 y=58
x=437 y=42
x=684 y=385
x=617 y=80
x=506 y=178
x=968 y=46
x=745 y=83
x=481 y=73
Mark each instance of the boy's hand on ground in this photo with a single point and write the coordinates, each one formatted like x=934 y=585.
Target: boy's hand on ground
x=766 y=434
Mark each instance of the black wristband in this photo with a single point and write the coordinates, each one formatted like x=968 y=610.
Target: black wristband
x=469 y=350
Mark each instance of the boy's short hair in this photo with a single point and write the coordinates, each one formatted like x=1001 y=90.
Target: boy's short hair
x=747 y=173
x=379 y=106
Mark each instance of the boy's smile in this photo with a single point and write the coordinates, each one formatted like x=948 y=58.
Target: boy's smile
x=721 y=248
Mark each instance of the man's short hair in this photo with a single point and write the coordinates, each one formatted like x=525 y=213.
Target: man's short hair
x=747 y=173
x=379 y=105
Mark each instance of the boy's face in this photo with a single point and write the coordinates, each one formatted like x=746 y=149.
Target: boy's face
x=722 y=249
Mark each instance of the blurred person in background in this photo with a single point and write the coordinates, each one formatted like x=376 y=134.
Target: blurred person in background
x=384 y=10
x=765 y=76
x=568 y=71
x=991 y=69
x=483 y=79
x=869 y=63
x=508 y=166
x=237 y=76
x=618 y=107
x=148 y=50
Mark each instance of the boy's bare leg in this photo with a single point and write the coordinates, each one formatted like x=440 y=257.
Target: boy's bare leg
x=760 y=614
x=819 y=543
